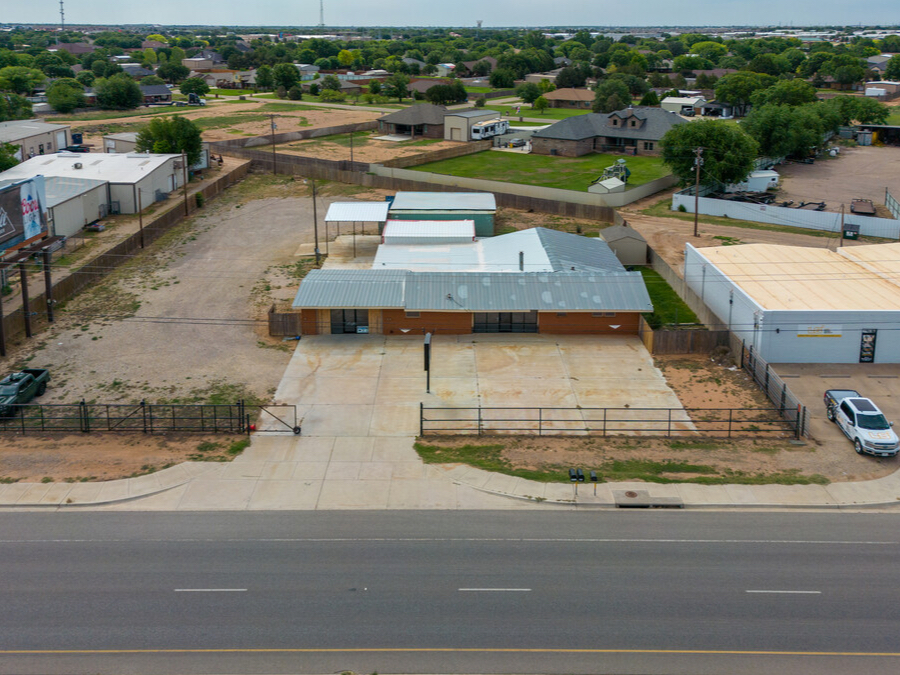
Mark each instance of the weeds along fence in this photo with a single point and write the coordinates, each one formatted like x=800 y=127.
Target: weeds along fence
x=147 y=418
x=357 y=173
x=97 y=268
x=795 y=413
x=649 y=422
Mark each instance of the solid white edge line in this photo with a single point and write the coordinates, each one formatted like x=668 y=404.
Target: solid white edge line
x=494 y=590
x=210 y=590
x=789 y=592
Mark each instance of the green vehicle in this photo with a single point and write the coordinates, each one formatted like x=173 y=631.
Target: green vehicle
x=19 y=388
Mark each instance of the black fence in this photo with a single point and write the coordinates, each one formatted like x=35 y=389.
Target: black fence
x=668 y=422
x=148 y=418
x=776 y=390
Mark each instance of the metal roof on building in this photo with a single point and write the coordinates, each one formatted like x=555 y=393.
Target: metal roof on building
x=477 y=112
x=474 y=292
x=444 y=201
x=858 y=278
x=16 y=130
x=567 y=251
x=656 y=122
x=617 y=232
x=60 y=189
x=421 y=113
x=123 y=136
x=351 y=288
x=114 y=167
x=458 y=231
x=357 y=212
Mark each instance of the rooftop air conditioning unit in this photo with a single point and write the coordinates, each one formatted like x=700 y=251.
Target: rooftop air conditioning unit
x=77 y=165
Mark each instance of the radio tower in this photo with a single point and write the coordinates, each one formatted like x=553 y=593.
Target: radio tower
x=321 y=13
x=62 y=16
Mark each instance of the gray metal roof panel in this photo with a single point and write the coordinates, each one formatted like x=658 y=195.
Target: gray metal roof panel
x=477 y=112
x=526 y=291
x=617 y=232
x=351 y=288
x=16 y=130
x=566 y=251
x=61 y=189
x=421 y=113
x=444 y=201
x=589 y=125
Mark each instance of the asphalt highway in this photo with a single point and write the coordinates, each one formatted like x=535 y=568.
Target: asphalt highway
x=439 y=592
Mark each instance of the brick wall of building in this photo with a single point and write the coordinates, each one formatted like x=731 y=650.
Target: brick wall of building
x=586 y=323
x=445 y=323
x=545 y=146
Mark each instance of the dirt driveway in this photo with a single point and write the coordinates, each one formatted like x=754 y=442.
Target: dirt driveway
x=857 y=173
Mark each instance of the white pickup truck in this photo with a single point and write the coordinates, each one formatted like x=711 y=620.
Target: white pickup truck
x=862 y=422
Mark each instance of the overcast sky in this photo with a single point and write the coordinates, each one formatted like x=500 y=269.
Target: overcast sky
x=457 y=13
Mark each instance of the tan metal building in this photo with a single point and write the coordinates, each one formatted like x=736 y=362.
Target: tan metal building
x=34 y=137
x=458 y=124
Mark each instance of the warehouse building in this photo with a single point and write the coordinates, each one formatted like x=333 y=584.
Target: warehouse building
x=795 y=304
x=126 y=142
x=458 y=123
x=155 y=176
x=532 y=281
x=32 y=138
x=480 y=207
x=73 y=203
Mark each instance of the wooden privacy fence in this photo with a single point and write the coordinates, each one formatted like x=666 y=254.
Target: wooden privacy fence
x=437 y=155
x=97 y=268
x=689 y=341
x=283 y=324
x=355 y=173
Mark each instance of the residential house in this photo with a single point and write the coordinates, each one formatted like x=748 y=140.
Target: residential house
x=421 y=85
x=683 y=105
x=156 y=93
x=414 y=63
x=77 y=48
x=136 y=70
x=197 y=63
x=424 y=120
x=470 y=65
x=537 y=78
x=570 y=98
x=632 y=130
x=153 y=44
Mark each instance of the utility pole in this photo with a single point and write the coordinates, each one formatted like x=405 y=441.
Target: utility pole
x=273 y=126
x=48 y=284
x=315 y=221
x=184 y=181
x=698 y=162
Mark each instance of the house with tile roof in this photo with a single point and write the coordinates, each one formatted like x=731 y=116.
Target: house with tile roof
x=632 y=130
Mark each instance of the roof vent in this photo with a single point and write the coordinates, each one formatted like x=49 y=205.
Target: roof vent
x=77 y=165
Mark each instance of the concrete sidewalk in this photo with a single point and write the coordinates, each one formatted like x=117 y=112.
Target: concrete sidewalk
x=283 y=472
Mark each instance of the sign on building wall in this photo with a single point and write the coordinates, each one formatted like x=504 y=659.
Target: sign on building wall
x=818 y=331
x=23 y=216
x=867 y=345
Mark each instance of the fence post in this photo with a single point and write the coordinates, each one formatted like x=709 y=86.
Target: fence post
x=730 y=417
x=604 y=421
x=669 y=425
x=85 y=418
x=480 y=422
x=743 y=347
x=783 y=395
x=540 y=421
x=767 y=379
x=799 y=425
x=144 y=414
x=421 y=419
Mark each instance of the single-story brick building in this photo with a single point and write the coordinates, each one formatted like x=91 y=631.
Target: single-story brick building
x=632 y=130
x=425 y=120
x=570 y=98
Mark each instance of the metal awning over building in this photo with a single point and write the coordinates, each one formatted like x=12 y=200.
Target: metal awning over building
x=357 y=212
x=428 y=232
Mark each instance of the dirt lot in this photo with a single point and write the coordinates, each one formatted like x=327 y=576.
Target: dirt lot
x=857 y=173
x=366 y=147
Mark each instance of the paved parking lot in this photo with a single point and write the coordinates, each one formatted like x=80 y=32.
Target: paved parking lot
x=371 y=385
x=809 y=381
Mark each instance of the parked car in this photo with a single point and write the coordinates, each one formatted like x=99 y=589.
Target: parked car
x=862 y=422
x=517 y=143
x=19 y=388
x=76 y=148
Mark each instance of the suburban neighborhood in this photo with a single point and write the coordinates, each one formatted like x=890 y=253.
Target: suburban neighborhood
x=552 y=276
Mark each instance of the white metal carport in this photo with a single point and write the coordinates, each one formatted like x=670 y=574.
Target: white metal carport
x=355 y=212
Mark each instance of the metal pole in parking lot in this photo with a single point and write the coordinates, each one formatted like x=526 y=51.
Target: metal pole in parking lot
x=427 y=363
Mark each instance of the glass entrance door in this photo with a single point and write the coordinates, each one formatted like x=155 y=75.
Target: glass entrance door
x=349 y=321
x=505 y=322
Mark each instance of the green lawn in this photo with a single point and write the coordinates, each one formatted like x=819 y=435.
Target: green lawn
x=668 y=307
x=479 y=90
x=894 y=117
x=230 y=92
x=567 y=173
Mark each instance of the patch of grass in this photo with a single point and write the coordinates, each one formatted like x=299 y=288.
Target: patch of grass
x=284 y=107
x=894 y=117
x=693 y=445
x=487 y=457
x=566 y=173
x=46 y=479
x=6 y=480
x=238 y=447
x=668 y=307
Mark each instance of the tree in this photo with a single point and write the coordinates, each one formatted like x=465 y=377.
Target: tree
x=171 y=135
x=147 y=81
x=156 y=37
x=331 y=82
x=540 y=104
x=728 y=152
x=345 y=57
x=374 y=87
x=86 y=77
x=845 y=75
x=611 y=95
x=65 y=95
x=650 y=99
x=570 y=77
x=264 y=78
x=737 y=88
x=194 y=85
x=285 y=75
x=8 y=156
x=20 y=80
x=863 y=110
x=771 y=127
x=118 y=92
x=173 y=72
x=332 y=96
x=546 y=86
x=150 y=57
x=295 y=93
x=14 y=107
x=893 y=68
x=528 y=92
x=502 y=78
x=396 y=86
x=785 y=92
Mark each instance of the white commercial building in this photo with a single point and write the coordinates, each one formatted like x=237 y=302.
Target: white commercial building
x=155 y=176
x=796 y=304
